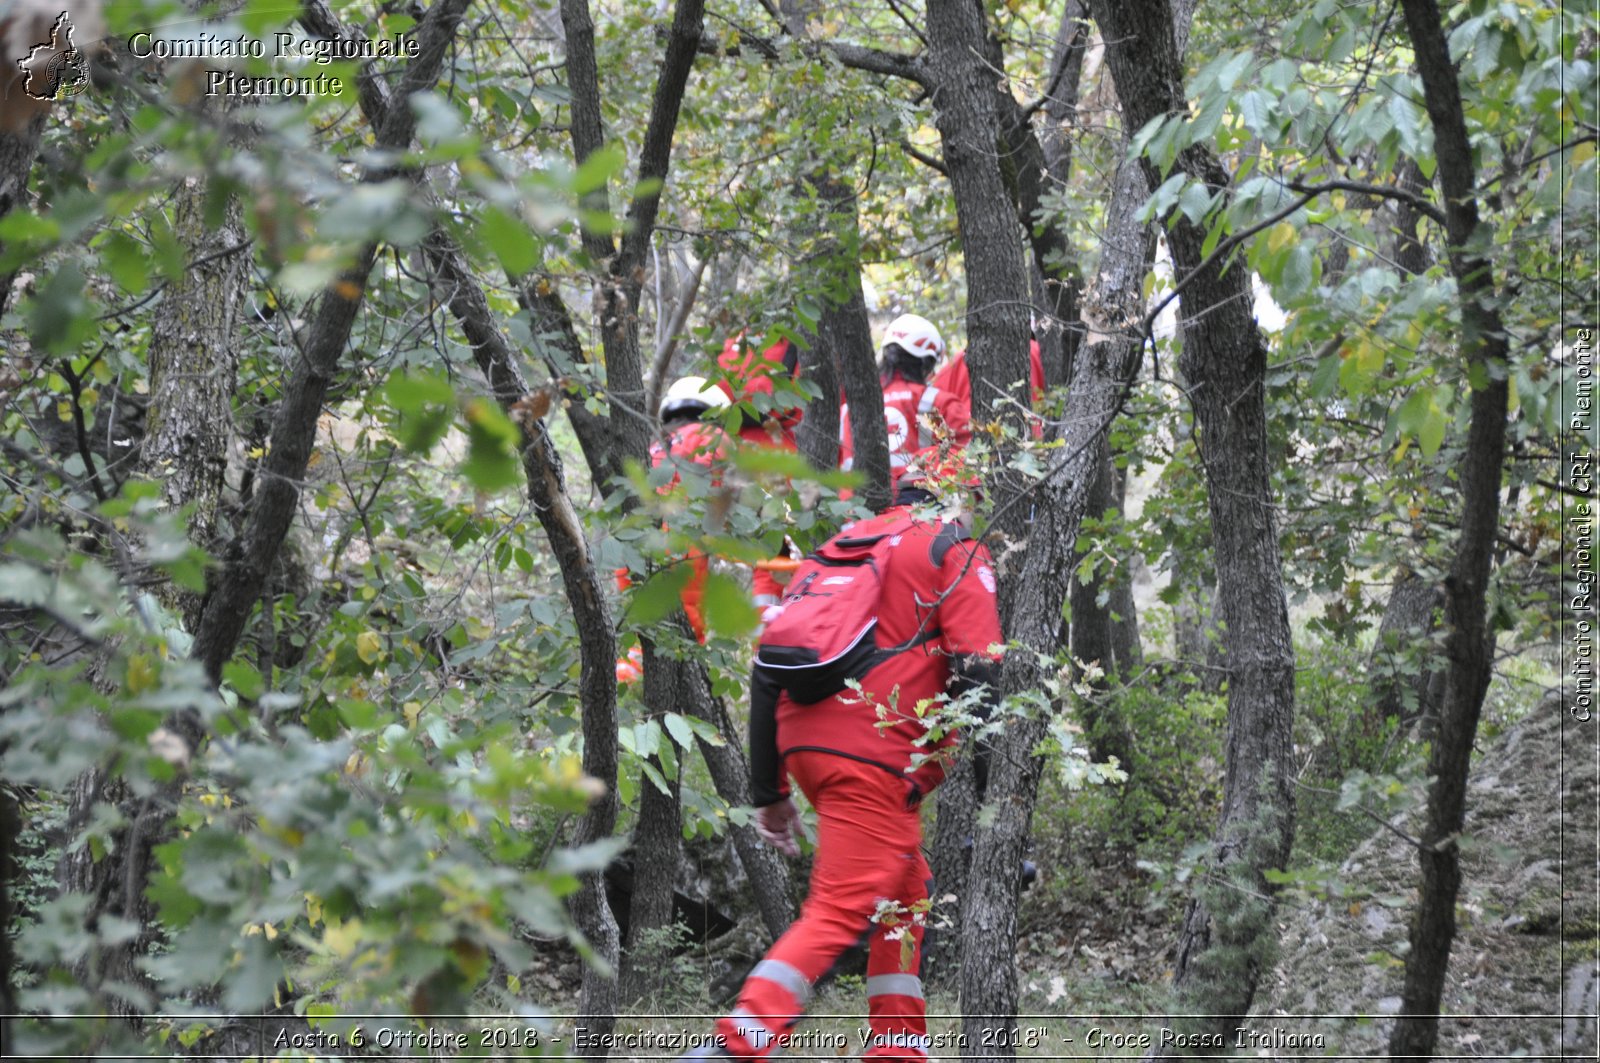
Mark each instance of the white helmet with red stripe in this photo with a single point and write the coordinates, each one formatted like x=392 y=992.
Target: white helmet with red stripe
x=916 y=336
x=691 y=396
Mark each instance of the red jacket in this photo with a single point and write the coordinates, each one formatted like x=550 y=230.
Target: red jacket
x=748 y=373
x=938 y=580
x=956 y=378
x=702 y=444
x=910 y=414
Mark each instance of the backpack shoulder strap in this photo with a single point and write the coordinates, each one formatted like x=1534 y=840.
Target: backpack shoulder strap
x=949 y=535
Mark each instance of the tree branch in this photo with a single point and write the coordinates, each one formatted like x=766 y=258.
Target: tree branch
x=932 y=162
x=1417 y=202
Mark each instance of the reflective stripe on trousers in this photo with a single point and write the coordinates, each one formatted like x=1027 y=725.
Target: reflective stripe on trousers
x=868 y=848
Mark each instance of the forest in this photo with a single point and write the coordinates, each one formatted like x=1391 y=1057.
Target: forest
x=376 y=670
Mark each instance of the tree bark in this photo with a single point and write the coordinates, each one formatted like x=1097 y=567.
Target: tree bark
x=619 y=286
x=963 y=95
x=1399 y=665
x=10 y=837
x=769 y=876
x=1410 y=616
x=657 y=836
x=117 y=885
x=193 y=360
x=1091 y=635
x=18 y=148
x=1127 y=651
x=194 y=363
x=1033 y=590
x=962 y=87
x=1031 y=172
x=1469 y=643
x=1228 y=931
x=845 y=336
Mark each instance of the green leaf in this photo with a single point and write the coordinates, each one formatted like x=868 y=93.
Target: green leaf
x=729 y=609
x=493 y=447
x=658 y=596
x=1255 y=109
x=1162 y=199
x=680 y=731
x=1405 y=116
x=60 y=317
x=508 y=237
x=425 y=402
x=244 y=678
x=1431 y=433
x=1195 y=202
x=438 y=122
x=24 y=585
x=1297 y=276
x=127 y=260
x=597 y=169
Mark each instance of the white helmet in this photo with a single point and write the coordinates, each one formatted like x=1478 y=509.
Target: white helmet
x=691 y=396
x=916 y=336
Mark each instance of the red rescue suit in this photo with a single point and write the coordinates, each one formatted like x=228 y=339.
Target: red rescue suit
x=912 y=414
x=858 y=776
x=704 y=445
x=747 y=374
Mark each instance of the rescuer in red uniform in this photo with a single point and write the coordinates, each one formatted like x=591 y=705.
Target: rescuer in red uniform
x=914 y=407
x=689 y=439
x=748 y=377
x=938 y=599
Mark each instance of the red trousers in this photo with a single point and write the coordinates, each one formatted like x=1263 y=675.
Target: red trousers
x=868 y=852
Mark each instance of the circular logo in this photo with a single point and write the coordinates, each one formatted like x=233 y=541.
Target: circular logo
x=68 y=75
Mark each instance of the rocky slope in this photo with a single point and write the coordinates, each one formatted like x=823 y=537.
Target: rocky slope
x=1524 y=976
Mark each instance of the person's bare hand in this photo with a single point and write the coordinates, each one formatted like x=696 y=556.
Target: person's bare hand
x=776 y=824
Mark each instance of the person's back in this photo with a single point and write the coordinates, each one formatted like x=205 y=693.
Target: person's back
x=938 y=599
x=916 y=411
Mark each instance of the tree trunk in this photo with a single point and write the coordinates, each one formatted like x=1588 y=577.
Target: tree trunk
x=1399 y=664
x=19 y=146
x=1228 y=932
x=1469 y=643
x=194 y=363
x=230 y=600
x=775 y=889
x=997 y=310
x=10 y=837
x=845 y=335
x=844 y=332
x=619 y=285
x=1127 y=651
x=657 y=836
x=597 y=686
x=951 y=860
x=964 y=99
x=1411 y=615
x=1091 y=635
x=1031 y=173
